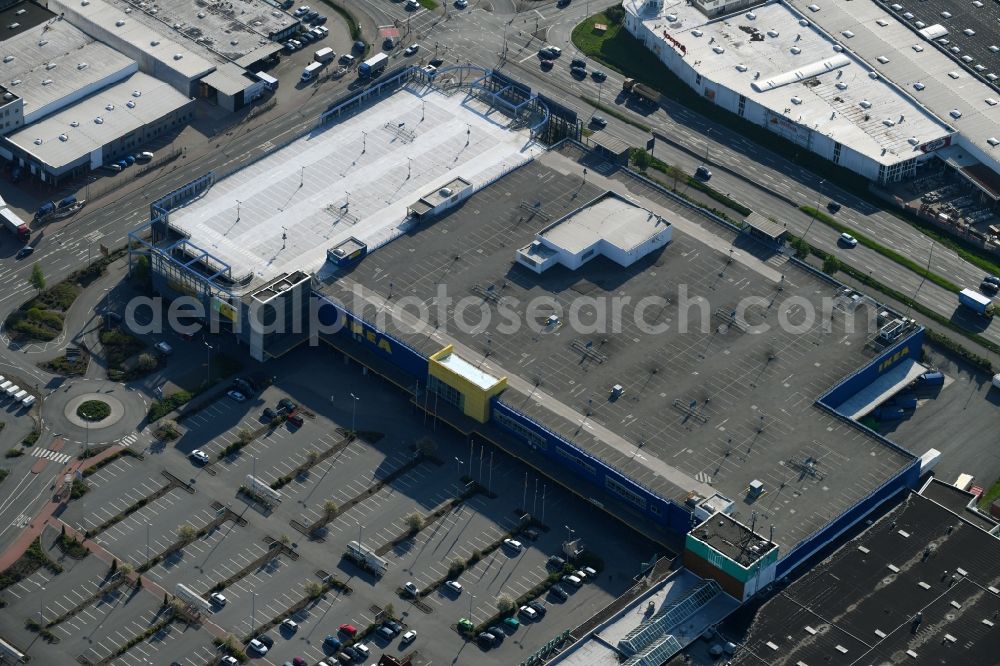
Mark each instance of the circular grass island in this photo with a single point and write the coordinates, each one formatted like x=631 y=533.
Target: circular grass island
x=93 y=410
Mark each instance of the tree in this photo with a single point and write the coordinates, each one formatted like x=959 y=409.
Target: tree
x=125 y=569
x=146 y=361
x=615 y=14
x=329 y=509
x=801 y=248
x=504 y=603
x=414 y=521
x=390 y=610
x=186 y=532
x=284 y=540
x=313 y=589
x=642 y=159
x=245 y=436
x=312 y=457
x=141 y=270
x=37 y=279
x=831 y=264
x=456 y=567
x=427 y=446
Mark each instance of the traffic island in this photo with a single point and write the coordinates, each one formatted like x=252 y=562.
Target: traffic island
x=93 y=411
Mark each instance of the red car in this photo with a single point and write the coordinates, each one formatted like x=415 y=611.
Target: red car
x=348 y=629
x=299 y=661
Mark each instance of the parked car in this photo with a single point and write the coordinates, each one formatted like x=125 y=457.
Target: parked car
x=289 y=624
x=599 y=122
x=299 y=661
x=286 y=405
x=348 y=629
x=848 y=240
x=199 y=456
x=130 y=160
x=24 y=252
x=992 y=279
x=218 y=599
x=351 y=652
x=411 y=588
x=546 y=63
x=229 y=660
x=269 y=413
x=411 y=49
x=497 y=633
x=237 y=396
x=454 y=586
x=258 y=647
x=511 y=622
x=578 y=72
x=461 y=4
x=703 y=173
x=320 y=20
x=512 y=544
x=578 y=62
x=303 y=9
x=266 y=640
x=295 y=420
x=558 y=592
x=144 y=156
x=362 y=650
x=412 y=5
x=528 y=612
x=581 y=575
x=590 y=571
x=555 y=562
x=988 y=288
x=163 y=347
x=393 y=626
x=385 y=632
x=598 y=76
x=572 y=580
x=538 y=607
x=436 y=62
x=485 y=639
x=408 y=637
x=332 y=643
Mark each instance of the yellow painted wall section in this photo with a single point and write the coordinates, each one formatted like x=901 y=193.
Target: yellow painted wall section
x=477 y=400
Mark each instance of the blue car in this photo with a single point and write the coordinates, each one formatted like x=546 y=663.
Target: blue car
x=130 y=159
x=331 y=642
x=122 y=164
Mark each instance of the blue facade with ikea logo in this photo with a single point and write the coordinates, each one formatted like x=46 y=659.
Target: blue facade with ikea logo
x=599 y=479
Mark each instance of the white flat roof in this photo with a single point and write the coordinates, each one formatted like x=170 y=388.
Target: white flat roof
x=55 y=60
x=612 y=219
x=228 y=79
x=945 y=87
x=352 y=179
x=146 y=35
x=792 y=68
x=155 y=100
x=463 y=368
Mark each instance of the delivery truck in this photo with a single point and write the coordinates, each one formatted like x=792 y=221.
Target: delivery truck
x=15 y=225
x=324 y=55
x=311 y=71
x=372 y=67
x=643 y=92
x=978 y=303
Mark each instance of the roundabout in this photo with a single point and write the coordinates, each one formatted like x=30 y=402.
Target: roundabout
x=94 y=410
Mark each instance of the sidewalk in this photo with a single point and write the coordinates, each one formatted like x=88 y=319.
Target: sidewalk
x=44 y=516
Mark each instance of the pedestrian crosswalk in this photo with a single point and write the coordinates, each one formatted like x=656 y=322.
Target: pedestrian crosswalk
x=21 y=520
x=128 y=440
x=54 y=456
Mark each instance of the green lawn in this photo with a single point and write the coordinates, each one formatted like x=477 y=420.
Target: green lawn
x=428 y=4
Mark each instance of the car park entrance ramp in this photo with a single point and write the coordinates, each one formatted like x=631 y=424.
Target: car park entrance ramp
x=867 y=399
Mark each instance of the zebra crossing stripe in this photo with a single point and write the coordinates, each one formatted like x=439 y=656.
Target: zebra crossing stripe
x=50 y=455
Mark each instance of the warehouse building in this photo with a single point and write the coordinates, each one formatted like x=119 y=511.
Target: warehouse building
x=772 y=66
x=108 y=124
x=47 y=64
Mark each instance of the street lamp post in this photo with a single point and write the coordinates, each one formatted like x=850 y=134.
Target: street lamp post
x=458 y=467
x=819 y=197
x=208 y=361
x=354 y=408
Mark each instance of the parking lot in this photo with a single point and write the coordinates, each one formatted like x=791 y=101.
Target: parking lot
x=377 y=482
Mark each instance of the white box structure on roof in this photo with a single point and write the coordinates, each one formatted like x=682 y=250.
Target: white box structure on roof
x=772 y=66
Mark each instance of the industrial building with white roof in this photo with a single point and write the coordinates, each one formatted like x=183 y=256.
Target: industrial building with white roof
x=770 y=65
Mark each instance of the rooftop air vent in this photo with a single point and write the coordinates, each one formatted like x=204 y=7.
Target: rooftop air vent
x=967 y=59
x=841 y=85
x=991 y=76
x=888 y=122
x=920 y=25
x=74 y=123
x=946 y=15
x=14 y=26
x=803 y=23
x=109 y=107
x=918 y=48
x=671 y=18
x=42 y=42
x=82 y=66
x=977 y=4
x=98 y=120
x=8 y=58
x=751 y=16
x=993 y=141
x=955 y=49
x=919 y=86
x=130 y=104
x=908 y=16
x=46 y=82
x=136 y=93
x=120 y=22
x=128 y=10
x=814 y=8
x=155 y=42
x=19 y=12
x=49 y=66
x=234 y=42
x=872 y=75
x=838 y=48
x=796 y=100
x=38 y=142
x=741 y=67
x=847 y=33
x=882 y=22
x=178 y=56
x=445 y=192
x=896 y=7
x=772 y=33
x=865 y=104
x=201 y=14
x=969 y=32
x=84 y=3
x=995 y=48
x=63 y=137
x=991 y=101
x=795 y=50
x=980 y=68
x=953 y=75
x=913 y=141
x=15 y=82
x=955 y=113
x=697 y=33
x=882 y=59
x=176 y=26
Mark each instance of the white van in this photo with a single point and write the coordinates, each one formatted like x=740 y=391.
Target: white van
x=324 y=55
x=311 y=70
x=12 y=390
x=19 y=396
x=6 y=385
x=28 y=400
